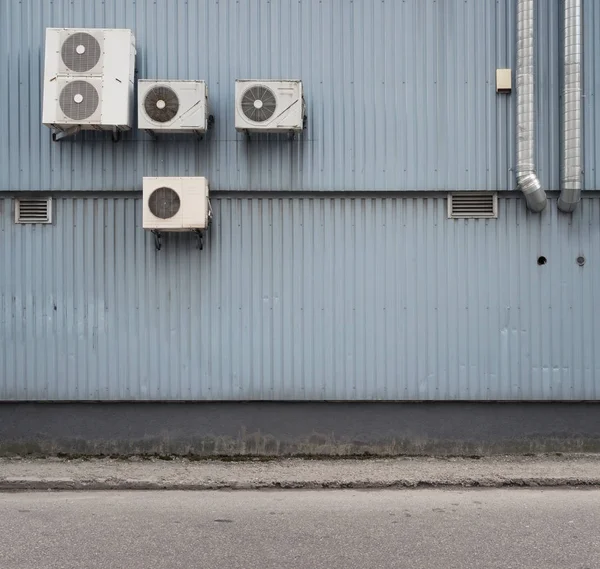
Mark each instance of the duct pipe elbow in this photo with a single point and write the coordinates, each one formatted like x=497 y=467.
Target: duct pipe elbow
x=535 y=196
x=568 y=200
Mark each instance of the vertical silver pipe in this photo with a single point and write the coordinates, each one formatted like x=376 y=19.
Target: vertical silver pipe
x=527 y=179
x=570 y=178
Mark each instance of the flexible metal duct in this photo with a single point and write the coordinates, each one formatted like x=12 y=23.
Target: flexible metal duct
x=526 y=177
x=570 y=182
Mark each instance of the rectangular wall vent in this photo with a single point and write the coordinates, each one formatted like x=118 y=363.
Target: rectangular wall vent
x=473 y=204
x=33 y=210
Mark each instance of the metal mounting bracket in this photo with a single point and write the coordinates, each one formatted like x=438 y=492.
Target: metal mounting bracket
x=157 y=239
x=60 y=134
x=199 y=239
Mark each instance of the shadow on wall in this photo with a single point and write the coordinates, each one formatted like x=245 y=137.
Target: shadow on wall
x=241 y=430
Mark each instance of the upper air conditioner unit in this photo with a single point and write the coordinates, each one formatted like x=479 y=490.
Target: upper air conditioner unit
x=172 y=106
x=176 y=204
x=88 y=79
x=269 y=106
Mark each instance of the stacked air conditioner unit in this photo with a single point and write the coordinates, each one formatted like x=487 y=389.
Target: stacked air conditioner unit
x=88 y=79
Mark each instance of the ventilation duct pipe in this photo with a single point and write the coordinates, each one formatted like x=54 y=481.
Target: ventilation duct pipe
x=570 y=178
x=527 y=179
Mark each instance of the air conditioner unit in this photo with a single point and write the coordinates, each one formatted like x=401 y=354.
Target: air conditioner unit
x=172 y=106
x=88 y=79
x=269 y=106
x=176 y=204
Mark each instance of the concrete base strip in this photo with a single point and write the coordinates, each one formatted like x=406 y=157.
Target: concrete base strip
x=183 y=474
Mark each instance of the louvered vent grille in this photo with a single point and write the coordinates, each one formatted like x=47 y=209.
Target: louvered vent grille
x=33 y=210
x=473 y=204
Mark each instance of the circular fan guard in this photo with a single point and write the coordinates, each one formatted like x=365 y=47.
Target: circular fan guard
x=81 y=52
x=259 y=103
x=164 y=203
x=79 y=100
x=161 y=104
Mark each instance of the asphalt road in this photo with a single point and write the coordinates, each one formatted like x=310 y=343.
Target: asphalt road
x=503 y=528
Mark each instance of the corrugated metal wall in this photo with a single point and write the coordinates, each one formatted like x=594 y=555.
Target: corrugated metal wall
x=400 y=95
x=301 y=298
x=305 y=295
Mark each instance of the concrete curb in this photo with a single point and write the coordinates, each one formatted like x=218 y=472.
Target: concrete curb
x=182 y=474
x=97 y=485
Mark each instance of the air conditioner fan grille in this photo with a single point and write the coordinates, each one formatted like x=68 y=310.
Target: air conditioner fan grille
x=164 y=203
x=81 y=52
x=161 y=104
x=79 y=100
x=258 y=103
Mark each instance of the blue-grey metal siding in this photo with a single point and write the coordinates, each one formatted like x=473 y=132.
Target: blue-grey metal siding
x=301 y=298
x=400 y=95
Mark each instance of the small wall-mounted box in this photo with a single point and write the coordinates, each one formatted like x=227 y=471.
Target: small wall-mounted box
x=503 y=80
